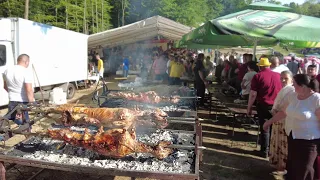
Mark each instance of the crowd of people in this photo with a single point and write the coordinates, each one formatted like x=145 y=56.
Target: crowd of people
x=174 y=64
x=284 y=92
x=286 y=97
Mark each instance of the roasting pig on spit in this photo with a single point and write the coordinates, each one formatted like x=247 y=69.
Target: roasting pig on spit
x=115 y=143
x=146 y=97
x=119 y=140
x=108 y=117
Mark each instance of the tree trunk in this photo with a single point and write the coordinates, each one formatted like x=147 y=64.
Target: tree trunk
x=92 y=13
x=97 y=19
x=67 y=16
x=102 y=15
x=56 y=13
x=123 y=8
x=118 y=18
x=77 y=21
x=85 y=30
x=9 y=9
x=26 y=9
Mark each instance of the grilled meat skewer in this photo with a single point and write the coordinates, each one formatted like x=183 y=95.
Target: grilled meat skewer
x=108 y=117
x=115 y=143
x=146 y=97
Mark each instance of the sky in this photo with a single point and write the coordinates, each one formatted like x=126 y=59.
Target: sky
x=289 y=1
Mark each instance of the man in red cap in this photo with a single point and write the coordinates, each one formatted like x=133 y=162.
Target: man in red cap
x=265 y=86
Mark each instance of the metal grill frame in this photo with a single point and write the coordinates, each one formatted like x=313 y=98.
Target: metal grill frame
x=113 y=171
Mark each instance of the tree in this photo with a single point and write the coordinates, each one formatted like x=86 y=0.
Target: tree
x=26 y=9
x=215 y=9
x=92 y=16
x=124 y=6
x=12 y=8
x=274 y=2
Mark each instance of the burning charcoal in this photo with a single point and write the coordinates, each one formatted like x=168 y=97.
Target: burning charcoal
x=183 y=158
x=143 y=160
x=170 y=159
x=183 y=138
x=140 y=161
x=156 y=137
x=80 y=151
x=185 y=166
x=90 y=154
x=191 y=157
x=70 y=150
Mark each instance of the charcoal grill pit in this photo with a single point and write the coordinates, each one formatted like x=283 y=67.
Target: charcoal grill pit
x=47 y=150
x=182 y=164
x=189 y=103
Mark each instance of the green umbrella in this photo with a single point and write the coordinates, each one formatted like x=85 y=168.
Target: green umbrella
x=267 y=6
x=180 y=44
x=257 y=27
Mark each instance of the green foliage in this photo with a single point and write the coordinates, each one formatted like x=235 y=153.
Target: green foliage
x=91 y=16
x=88 y=16
x=310 y=8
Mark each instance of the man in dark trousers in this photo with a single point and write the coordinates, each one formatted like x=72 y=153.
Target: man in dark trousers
x=18 y=83
x=265 y=86
x=200 y=81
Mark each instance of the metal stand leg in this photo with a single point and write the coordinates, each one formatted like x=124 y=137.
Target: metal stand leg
x=258 y=135
x=233 y=124
x=210 y=103
x=36 y=174
x=2 y=171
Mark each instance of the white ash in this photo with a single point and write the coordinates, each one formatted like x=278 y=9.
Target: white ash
x=165 y=135
x=184 y=138
x=156 y=137
x=180 y=161
x=183 y=105
x=175 y=108
x=182 y=166
x=166 y=90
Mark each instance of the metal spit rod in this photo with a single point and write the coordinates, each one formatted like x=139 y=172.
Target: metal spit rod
x=181 y=118
x=181 y=121
x=177 y=146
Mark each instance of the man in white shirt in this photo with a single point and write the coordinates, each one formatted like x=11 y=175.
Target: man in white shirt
x=18 y=83
x=276 y=66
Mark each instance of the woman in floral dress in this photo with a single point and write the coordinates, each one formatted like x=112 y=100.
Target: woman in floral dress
x=278 y=147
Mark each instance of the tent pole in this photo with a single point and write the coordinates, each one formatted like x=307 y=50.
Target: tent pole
x=255 y=42
x=216 y=55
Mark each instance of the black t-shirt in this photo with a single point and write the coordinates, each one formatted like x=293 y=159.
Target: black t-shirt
x=199 y=67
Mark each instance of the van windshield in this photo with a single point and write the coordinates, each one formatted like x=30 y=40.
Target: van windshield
x=3 y=57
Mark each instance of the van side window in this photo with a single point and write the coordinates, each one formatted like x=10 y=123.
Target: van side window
x=3 y=57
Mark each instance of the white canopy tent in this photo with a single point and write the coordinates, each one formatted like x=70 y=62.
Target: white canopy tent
x=139 y=31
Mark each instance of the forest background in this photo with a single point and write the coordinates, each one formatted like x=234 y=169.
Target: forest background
x=92 y=16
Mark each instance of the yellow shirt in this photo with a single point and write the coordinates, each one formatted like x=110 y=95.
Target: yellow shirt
x=177 y=69
x=100 y=64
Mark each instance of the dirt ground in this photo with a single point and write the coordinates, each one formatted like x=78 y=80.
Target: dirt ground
x=223 y=158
